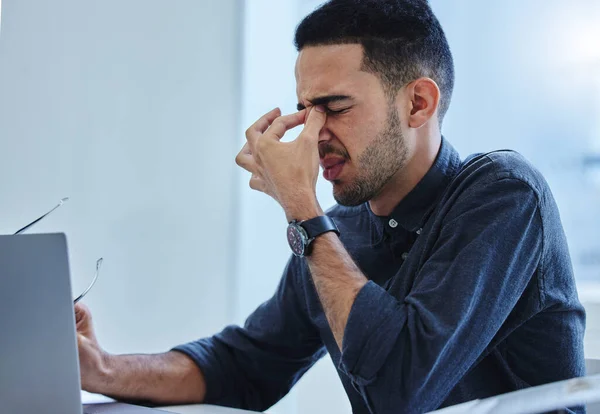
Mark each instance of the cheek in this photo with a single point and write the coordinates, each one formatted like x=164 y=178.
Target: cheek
x=353 y=133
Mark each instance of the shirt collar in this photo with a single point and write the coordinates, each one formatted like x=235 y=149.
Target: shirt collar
x=414 y=209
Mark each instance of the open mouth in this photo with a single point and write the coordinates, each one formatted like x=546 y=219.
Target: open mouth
x=332 y=168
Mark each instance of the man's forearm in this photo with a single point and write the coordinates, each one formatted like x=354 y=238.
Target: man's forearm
x=163 y=379
x=337 y=280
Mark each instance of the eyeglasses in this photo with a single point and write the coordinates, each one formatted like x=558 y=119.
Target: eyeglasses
x=98 y=262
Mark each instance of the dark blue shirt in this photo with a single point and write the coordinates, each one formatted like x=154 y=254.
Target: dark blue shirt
x=470 y=294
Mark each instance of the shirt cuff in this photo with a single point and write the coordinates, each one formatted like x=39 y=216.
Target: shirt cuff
x=375 y=321
x=204 y=354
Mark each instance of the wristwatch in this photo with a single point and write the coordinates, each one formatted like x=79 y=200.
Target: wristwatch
x=300 y=234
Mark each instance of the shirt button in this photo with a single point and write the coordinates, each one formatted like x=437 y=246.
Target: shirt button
x=393 y=223
x=419 y=231
x=404 y=256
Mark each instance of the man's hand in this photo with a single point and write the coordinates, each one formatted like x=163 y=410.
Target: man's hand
x=287 y=171
x=93 y=360
x=170 y=378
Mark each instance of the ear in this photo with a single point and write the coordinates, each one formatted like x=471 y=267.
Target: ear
x=423 y=96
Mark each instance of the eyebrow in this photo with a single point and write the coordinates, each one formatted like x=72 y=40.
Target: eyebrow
x=324 y=100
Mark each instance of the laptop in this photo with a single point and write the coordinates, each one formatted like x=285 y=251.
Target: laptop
x=39 y=365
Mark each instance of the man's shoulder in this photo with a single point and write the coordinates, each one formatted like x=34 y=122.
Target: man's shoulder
x=500 y=165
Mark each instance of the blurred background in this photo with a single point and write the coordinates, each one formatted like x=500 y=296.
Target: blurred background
x=136 y=109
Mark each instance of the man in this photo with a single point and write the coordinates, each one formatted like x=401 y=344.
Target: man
x=434 y=281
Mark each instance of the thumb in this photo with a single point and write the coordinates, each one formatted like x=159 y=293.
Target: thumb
x=315 y=120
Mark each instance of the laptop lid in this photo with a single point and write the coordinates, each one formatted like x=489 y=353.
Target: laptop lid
x=39 y=370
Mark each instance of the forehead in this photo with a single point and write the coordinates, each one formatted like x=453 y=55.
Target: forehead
x=329 y=70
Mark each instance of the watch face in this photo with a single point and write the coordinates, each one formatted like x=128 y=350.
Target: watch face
x=295 y=239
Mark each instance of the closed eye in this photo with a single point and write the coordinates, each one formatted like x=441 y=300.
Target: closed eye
x=329 y=111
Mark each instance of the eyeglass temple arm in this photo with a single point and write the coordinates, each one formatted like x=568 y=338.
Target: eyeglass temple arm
x=61 y=202
x=98 y=266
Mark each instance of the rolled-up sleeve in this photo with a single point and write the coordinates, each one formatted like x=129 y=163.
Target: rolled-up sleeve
x=407 y=354
x=254 y=366
x=373 y=327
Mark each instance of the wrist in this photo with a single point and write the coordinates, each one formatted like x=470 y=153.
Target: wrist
x=107 y=365
x=302 y=210
x=105 y=375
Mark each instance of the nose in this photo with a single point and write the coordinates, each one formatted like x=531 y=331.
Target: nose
x=325 y=134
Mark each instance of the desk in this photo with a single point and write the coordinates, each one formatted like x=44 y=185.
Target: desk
x=89 y=398
x=203 y=409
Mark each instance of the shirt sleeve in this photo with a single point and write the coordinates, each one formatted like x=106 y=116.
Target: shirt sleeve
x=254 y=366
x=408 y=354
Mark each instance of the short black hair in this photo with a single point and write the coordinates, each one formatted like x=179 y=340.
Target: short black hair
x=402 y=40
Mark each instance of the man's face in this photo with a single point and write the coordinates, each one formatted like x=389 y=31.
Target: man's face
x=361 y=146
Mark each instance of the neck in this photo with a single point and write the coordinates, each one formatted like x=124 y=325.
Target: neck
x=420 y=160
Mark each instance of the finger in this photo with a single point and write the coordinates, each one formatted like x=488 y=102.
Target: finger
x=246 y=160
x=283 y=124
x=82 y=312
x=246 y=150
x=82 y=339
x=257 y=183
x=260 y=126
x=315 y=121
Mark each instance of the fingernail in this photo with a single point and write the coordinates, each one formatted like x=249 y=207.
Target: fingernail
x=320 y=108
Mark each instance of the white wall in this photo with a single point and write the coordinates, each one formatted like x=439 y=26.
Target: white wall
x=131 y=108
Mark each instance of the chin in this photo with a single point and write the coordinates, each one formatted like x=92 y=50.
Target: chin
x=338 y=188
x=338 y=195
x=343 y=199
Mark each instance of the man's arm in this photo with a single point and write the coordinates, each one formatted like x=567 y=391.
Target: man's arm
x=335 y=275
x=337 y=280
x=249 y=367
x=162 y=379
x=411 y=352
x=169 y=378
